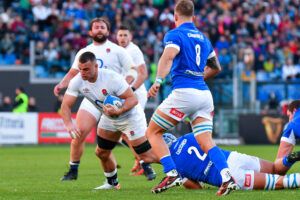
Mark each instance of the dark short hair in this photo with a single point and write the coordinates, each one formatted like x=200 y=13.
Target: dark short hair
x=100 y=19
x=294 y=105
x=87 y=56
x=185 y=8
x=124 y=28
x=21 y=89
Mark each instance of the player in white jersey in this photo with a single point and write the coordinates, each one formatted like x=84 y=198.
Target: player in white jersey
x=124 y=39
x=108 y=55
x=96 y=85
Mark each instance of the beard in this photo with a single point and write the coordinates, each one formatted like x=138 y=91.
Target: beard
x=100 y=39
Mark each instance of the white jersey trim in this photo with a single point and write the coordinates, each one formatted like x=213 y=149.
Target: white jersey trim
x=212 y=54
x=290 y=139
x=173 y=45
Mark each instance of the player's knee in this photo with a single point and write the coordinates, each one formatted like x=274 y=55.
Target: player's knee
x=105 y=144
x=102 y=153
x=142 y=148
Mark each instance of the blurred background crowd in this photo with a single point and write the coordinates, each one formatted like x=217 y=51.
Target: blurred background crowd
x=262 y=37
x=254 y=40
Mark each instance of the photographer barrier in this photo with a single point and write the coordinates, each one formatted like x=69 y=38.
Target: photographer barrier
x=261 y=129
x=18 y=128
x=51 y=129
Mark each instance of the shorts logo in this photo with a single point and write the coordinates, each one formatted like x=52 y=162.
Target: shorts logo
x=131 y=133
x=212 y=113
x=247 y=180
x=176 y=113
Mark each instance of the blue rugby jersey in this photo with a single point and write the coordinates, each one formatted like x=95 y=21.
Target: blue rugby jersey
x=192 y=163
x=194 y=50
x=291 y=131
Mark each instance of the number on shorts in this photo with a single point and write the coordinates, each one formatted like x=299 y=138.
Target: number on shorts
x=192 y=148
x=198 y=52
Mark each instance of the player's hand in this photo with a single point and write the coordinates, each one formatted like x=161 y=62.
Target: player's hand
x=111 y=111
x=153 y=90
x=57 y=89
x=73 y=131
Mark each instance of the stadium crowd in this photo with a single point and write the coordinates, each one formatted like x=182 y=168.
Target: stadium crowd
x=264 y=35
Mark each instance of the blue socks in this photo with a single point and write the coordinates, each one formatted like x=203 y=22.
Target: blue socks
x=217 y=157
x=286 y=163
x=168 y=163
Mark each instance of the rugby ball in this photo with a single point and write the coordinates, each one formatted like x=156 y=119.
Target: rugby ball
x=114 y=101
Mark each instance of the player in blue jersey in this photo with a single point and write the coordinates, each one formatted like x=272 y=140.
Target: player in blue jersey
x=189 y=57
x=250 y=172
x=291 y=132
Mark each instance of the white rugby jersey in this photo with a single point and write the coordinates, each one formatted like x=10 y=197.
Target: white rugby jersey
x=109 y=56
x=137 y=58
x=107 y=83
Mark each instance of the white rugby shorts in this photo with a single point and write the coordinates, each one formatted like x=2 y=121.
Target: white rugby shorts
x=134 y=124
x=242 y=168
x=188 y=102
x=89 y=107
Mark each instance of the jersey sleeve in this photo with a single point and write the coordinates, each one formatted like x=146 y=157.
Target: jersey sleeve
x=125 y=60
x=288 y=134
x=76 y=60
x=73 y=88
x=138 y=57
x=172 y=39
x=119 y=85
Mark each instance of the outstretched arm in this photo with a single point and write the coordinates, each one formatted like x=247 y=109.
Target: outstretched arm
x=142 y=75
x=164 y=66
x=65 y=81
x=67 y=103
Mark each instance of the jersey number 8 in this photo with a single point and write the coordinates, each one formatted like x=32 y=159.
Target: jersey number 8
x=198 y=52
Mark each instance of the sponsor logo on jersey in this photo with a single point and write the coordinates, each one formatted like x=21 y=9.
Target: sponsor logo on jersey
x=131 y=133
x=181 y=146
x=247 y=180
x=194 y=35
x=176 y=113
x=85 y=90
x=108 y=50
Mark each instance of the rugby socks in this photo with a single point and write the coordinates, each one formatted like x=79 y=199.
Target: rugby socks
x=291 y=181
x=169 y=165
x=74 y=165
x=271 y=180
x=286 y=162
x=112 y=177
x=219 y=160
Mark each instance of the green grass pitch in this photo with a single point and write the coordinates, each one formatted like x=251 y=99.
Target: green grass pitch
x=33 y=172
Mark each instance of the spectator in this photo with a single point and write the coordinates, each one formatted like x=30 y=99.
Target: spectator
x=21 y=101
x=273 y=106
x=32 y=107
x=6 y=105
x=289 y=70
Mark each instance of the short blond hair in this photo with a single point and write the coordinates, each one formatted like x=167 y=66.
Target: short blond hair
x=185 y=8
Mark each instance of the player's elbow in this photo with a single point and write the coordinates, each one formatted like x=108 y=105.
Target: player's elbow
x=134 y=100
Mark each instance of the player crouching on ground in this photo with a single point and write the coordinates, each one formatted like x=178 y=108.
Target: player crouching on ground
x=249 y=172
x=96 y=85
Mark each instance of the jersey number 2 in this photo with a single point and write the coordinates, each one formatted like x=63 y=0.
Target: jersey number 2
x=192 y=148
x=198 y=52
